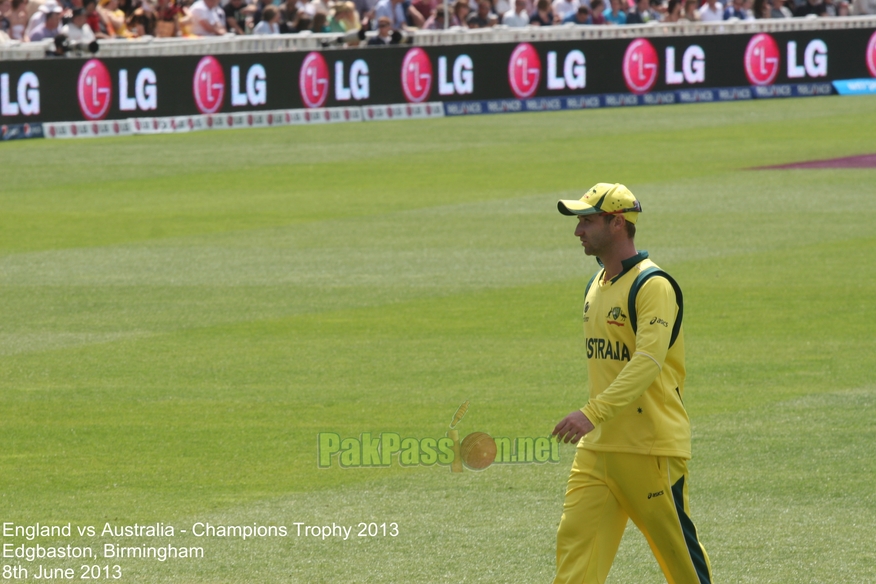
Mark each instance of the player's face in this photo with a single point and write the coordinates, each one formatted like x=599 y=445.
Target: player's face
x=594 y=233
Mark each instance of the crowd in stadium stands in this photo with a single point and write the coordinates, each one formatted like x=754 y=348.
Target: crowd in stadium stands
x=86 y=20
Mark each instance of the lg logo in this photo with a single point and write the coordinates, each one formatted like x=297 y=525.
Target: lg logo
x=814 y=60
x=209 y=85
x=94 y=90
x=574 y=71
x=693 y=66
x=256 y=86
x=762 y=59
x=95 y=93
x=463 y=76
x=871 y=55
x=359 y=88
x=145 y=91
x=524 y=71
x=417 y=75
x=641 y=65
x=313 y=80
x=27 y=94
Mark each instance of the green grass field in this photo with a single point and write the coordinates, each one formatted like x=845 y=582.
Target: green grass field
x=180 y=316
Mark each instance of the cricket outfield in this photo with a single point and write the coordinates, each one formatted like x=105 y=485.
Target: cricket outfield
x=181 y=317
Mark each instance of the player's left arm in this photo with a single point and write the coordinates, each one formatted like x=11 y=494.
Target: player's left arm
x=656 y=312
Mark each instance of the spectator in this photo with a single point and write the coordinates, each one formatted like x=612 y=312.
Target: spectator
x=659 y=8
x=288 y=16
x=597 y=7
x=482 y=16
x=5 y=8
x=737 y=10
x=77 y=30
x=641 y=13
x=543 y=15
x=167 y=15
x=39 y=16
x=318 y=6
x=320 y=23
x=779 y=10
x=115 y=19
x=518 y=17
x=401 y=13
x=461 y=10
x=761 y=9
x=303 y=23
x=616 y=14
x=437 y=20
x=50 y=28
x=426 y=7
x=500 y=7
x=863 y=7
x=365 y=8
x=565 y=8
x=842 y=8
x=711 y=11
x=95 y=21
x=581 y=16
x=236 y=12
x=691 y=11
x=384 y=33
x=258 y=7
x=207 y=18
x=816 y=7
x=345 y=18
x=127 y=7
x=270 y=22
x=142 y=20
x=673 y=12
x=17 y=18
x=302 y=7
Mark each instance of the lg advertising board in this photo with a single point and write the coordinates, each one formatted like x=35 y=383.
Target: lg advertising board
x=98 y=89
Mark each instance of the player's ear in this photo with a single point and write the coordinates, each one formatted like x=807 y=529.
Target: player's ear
x=618 y=222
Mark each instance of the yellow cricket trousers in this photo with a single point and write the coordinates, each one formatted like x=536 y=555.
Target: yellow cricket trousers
x=607 y=488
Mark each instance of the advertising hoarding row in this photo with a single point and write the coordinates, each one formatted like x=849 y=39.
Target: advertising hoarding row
x=599 y=72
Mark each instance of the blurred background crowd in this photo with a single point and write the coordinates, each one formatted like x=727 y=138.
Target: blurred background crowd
x=86 y=20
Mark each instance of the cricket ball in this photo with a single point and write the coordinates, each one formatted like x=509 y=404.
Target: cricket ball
x=478 y=450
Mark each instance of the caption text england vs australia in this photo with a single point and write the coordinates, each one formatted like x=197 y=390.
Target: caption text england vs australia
x=29 y=551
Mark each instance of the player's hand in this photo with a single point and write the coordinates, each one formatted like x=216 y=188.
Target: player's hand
x=573 y=427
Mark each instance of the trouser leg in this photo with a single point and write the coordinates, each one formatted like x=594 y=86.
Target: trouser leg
x=653 y=491
x=591 y=526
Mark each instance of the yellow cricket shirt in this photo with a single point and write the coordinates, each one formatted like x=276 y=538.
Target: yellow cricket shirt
x=636 y=378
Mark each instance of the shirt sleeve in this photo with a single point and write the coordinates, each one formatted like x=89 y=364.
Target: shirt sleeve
x=656 y=311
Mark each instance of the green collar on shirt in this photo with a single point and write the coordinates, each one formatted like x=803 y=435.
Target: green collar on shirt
x=628 y=264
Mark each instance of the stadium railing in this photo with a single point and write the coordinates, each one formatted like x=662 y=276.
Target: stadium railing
x=229 y=44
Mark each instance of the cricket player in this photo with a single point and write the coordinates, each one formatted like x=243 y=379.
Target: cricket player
x=633 y=434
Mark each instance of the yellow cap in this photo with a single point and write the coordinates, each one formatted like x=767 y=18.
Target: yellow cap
x=611 y=199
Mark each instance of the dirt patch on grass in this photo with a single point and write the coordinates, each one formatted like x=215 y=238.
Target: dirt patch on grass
x=863 y=161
